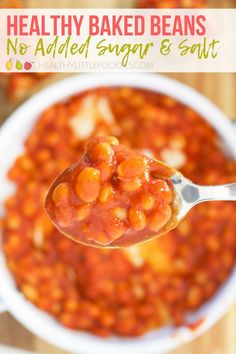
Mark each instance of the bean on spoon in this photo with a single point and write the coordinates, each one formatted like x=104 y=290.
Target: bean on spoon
x=116 y=197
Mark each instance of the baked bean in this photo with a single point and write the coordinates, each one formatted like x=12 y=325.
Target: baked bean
x=120 y=213
x=61 y=194
x=132 y=167
x=106 y=194
x=144 y=201
x=137 y=218
x=88 y=184
x=131 y=186
x=101 y=152
x=162 y=189
x=159 y=217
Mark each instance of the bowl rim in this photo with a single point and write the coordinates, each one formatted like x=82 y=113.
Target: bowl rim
x=17 y=127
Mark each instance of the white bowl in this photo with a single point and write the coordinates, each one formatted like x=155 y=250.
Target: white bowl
x=12 y=136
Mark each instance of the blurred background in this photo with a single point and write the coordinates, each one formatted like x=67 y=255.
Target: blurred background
x=219 y=88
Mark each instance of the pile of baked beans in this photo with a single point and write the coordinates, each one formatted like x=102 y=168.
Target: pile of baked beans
x=125 y=292
x=113 y=196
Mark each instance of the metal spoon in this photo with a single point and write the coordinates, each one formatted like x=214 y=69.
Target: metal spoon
x=74 y=206
x=190 y=194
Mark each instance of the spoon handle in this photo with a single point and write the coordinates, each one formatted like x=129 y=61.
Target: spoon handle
x=221 y=192
x=191 y=194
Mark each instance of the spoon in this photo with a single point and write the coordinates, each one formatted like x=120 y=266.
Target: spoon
x=116 y=197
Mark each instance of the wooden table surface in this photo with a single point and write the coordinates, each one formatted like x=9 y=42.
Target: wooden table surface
x=219 y=88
